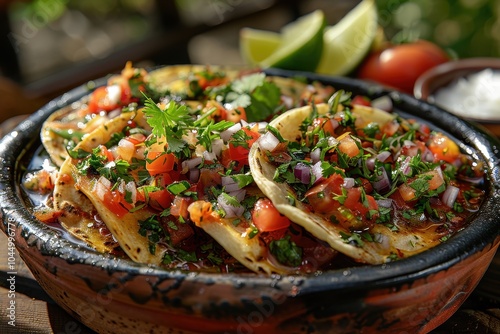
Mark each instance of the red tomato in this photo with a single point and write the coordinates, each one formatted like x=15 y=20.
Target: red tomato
x=361 y=101
x=400 y=65
x=320 y=196
x=443 y=148
x=349 y=146
x=353 y=201
x=180 y=206
x=266 y=218
x=160 y=199
x=180 y=233
x=240 y=153
x=158 y=162
x=325 y=123
x=114 y=201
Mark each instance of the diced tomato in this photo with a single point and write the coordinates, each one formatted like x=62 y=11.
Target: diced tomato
x=225 y=158
x=114 y=201
x=390 y=128
x=159 y=162
x=204 y=82
x=164 y=179
x=407 y=192
x=436 y=180
x=349 y=146
x=320 y=197
x=240 y=153
x=444 y=148
x=160 y=199
x=361 y=100
x=326 y=125
x=180 y=206
x=181 y=232
x=354 y=203
x=266 y=218
x=209 y=177
x=236 y=115
x=413 y=150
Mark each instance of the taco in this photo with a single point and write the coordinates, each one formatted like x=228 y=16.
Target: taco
x=371 y=184
x=229 y=89
x=173 y=189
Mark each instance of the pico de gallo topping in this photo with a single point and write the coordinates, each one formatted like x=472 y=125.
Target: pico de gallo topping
x=357 y=174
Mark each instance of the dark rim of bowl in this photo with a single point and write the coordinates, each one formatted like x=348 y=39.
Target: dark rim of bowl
x=482 y=233
x=444 y=74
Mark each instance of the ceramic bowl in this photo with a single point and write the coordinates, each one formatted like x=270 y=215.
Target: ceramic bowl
x=112 y=295
x=446 y=74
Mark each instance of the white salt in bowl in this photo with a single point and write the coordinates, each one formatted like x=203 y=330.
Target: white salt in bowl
x=468 y=88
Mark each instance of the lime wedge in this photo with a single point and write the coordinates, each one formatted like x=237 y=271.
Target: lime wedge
x=301 y=44
x=257 y=45
x=348 y=41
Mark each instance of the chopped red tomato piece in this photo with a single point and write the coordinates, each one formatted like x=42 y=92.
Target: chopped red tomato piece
x=326 y=125
x=361 y=100
x=159 y=162
x=444 y=148
x=180 y=206
x=321 y=196
x=115 y=202
x=266 y=218
x=160 y=199
x=354 y=202
x=349 y=146
x=239 y=151
x=180 y=232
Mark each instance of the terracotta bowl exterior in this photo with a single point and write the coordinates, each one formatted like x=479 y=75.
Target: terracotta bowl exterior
x=113 y=295
x=442 y=75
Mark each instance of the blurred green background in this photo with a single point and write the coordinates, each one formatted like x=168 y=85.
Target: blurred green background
x=467 y=28
x=50 y=46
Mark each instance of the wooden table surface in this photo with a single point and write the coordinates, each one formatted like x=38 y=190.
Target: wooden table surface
x=37 y=313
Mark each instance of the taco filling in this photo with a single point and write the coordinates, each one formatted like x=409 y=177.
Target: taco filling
x=373 y=185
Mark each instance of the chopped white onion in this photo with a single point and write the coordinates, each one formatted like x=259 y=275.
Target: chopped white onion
x=101 y=187
x=244 y=123
x=229 y=184
x=209 y=156
x=317 y=171
x=114 y=113
x=217 y=146
x=427 y=155
x=383 y=183
x=335 y=123
x=191 y=164
x=226 y=135
x=230 y=210
x=114 y=93
x=348 y=183
x=382 y=240
x=384 y=103
x=383 y=156
x=268 y=141
x=315 y=155
x=132 y=190
x=303 y=173
x=332 y=141
x=194 y=175
x=384 y=203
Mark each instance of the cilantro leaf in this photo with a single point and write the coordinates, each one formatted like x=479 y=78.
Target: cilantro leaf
x=286 y=251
